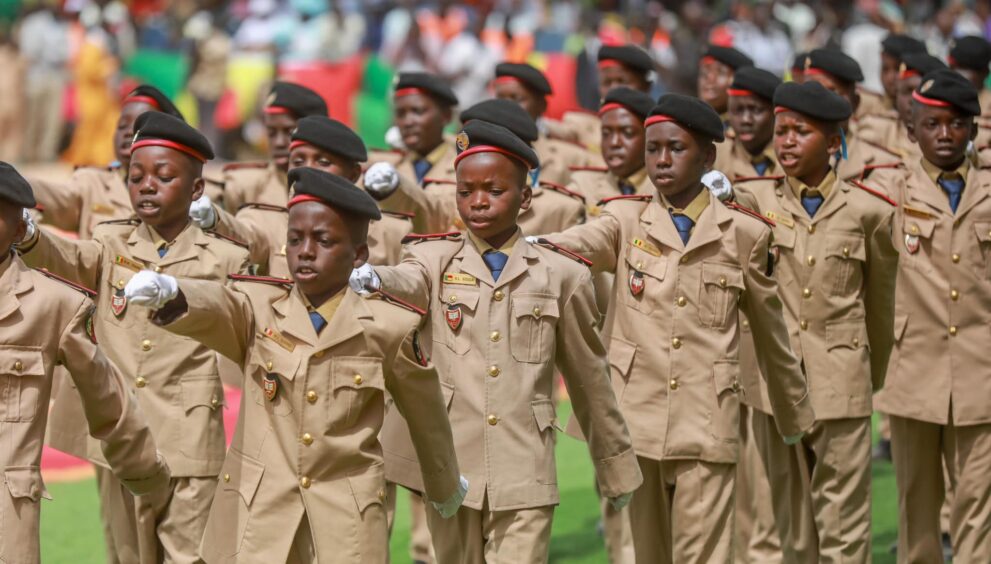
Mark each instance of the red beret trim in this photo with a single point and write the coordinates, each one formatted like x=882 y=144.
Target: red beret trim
x=739 y=92
x=609 y=63
x=930 y=101
x=782 y=109
x=171 y=145
x=610 y=107
x=409 y=92
x=907 y=73
x=276 y=110
x=658 y=119
x=951 y=61
x=507 y=78
x=299 y=199
x=143 y=100
x=709 y=59
x=490 y=149
x=297 y=143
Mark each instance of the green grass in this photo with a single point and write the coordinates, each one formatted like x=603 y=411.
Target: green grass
x=71 y=530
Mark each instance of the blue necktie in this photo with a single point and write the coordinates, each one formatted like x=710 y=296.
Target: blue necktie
x=162 y=250
x=761 y=166
x=683 y=224
x=626 y=189
x=953 y=186
x=496 y=261
x=811 y=202
x=421 y=167
x=318 y=321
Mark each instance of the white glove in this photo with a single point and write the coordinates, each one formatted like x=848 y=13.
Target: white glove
x=202 y=213
x=622 y=501
x=394 y=138
x=151 y=290
x=31 y=227
x=794 y=439
x=448 y=508
x=363 y=280
x=381 y=180
x=532 y=239
x=718 y=184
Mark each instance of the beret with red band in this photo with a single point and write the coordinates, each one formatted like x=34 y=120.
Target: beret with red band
x=733 y=58
x=898 y=45
x=14 y=188
x=630 y=56
x=312 y=185
x=690 y=113
x=634 y=101
x=299 y=101
x=971 y=52
x=752 y=81
x=526 y=74
x=945 y=88
x=835 y=63
x=155 y=129
x=798 y=63
x=479 y=136
x=813 y=100
x=918 y=64
x=425 y=83
x=506 y=113
x=148 y=94
x=331 y=136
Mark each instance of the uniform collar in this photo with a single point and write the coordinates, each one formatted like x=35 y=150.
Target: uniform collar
x=824 y=187
x=326 y=309
x=934 y=171
x=483 y=247
x=694 y=209
x=767 y=153
x=637 y=177
x=434 y=156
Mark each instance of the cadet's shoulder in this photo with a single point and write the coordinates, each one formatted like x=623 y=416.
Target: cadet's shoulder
x=560 y=190
x=870 y=196
x=404 y=217
x=258 y=206
x=245 y=166
x=435 y=182
x=561 y=257
x=587 y=168
x=435 y=240
x=226 y=242
x=629 y=204
x=588 y=175
x=391 y=156
x=115 y=227
x=244 y=172
x=55 y=286
x=554 y=144
x=748 y=219
x=397 y=312
x=758 y=182
x=97 y=173
x=260 y=285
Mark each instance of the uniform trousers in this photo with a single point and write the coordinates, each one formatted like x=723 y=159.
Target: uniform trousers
x=757 y=540
x=618 y=536
x=420 y=546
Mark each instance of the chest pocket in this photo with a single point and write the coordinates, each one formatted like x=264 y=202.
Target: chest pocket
x=22 y=375
x=454 y=319
x=533 y=328
x=644 y=278
x=983 y=260
x=268 y=364
x=916 y=233
x=356 y=387
x=844 y=268
x=721 y=286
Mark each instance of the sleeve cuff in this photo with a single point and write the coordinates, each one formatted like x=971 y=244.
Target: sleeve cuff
x=618 y=474
x=160 y=479
x=798 y=418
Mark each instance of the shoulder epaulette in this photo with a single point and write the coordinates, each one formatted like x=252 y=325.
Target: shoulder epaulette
x=266 y=207
x=750 y=178
x=228 y=238
x=261 y=280
x=747 y=211
x=428 y=181
x=566 y=252
x=242 y=165
x=400 y=215
x=872 y=167
x=873 y=192
x=588 y=168
x=128 y=221
x=632 y=197
x=421 y=237
x=398 y=302
x=884 y=148
x=562 y=190
x=83 y=289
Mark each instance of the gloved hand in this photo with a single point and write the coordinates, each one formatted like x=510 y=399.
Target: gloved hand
x=718 y=184
x=448 y=508
x=363 y=280
x=622 y=501
x=202 y=213
x=31 y=227
x=381 y=180
x=532 y=239
x=151 y=290
x=794 y=439
x=394 y=138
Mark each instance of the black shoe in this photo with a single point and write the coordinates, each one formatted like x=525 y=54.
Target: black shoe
x=882 y=450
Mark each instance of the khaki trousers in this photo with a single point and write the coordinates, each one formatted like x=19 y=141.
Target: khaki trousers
x=160 y=527
x=919 y=450
x=683 y=512
x=43 y=118
x=757 y=540
x=617 y=532
x=420 y=546
x=822 y=489
x=472 y=536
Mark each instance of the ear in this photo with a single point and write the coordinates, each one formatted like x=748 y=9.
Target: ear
x=527 y=197
x=855 y=99
x=360 y=255
x=910 y=128
x=710 y=156
x=835 y=143
x=198 y=185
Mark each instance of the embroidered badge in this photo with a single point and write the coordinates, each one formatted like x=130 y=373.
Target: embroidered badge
x=646 y=247
x=778 y=218
x=278 y=339
x=453 y=317
x=462 y=141
x=636 y=283
x=460 y=278
x=101 y=209
x=90 y=329
x=271 y=386
x=118 y=303
x=912 y=243
x=128 y=263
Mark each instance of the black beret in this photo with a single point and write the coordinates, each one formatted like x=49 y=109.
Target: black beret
x=158 y=129
x=506 y=113
x=479 y=136
x=898 y=45
x=298 y=100
x=527 y=74
x=333 y=190
x=635 y=101
x=430 y=84
x=920 y=64
x=752 y=80
x=690 y=113
x=13 y=187
x=835 y=63
x=971 y=52
x=941 y=87
x=798 y=63
x=148 y=94
x=812 y=99
x=628 y=55
x=331 y=136
x=728 y=56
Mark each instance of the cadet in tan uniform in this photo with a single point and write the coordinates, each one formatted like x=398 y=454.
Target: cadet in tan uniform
x=970 y=56
x=94 y=195
x=686 y=266
x=716 y=69
x=265 y=182
x=176 y=379
x=938 y=372
x=836 y=270
x=48 y=322
x=750 y=115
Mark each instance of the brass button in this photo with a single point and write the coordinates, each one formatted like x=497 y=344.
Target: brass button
x=214 y=402
x=676 y=343
x=954 y=295
x=140 y=382
x=120 y=284
x=953 y=330
x=914 y=230
x=536 y=312
x=955 y=258
x=639 y=265
x=746 y=323
x=307 y=439
x=682 y=301
x=494 y=371
x=452 y=298
x=158 y=269
x=674 y=384
x=806 y=293
x=268 y=365
x=227 y=477
x=311 y=396
x=492 y=419
x=318 y=354
x=146 y=345
x=846 y=252
x=381 y=495
x=305 y=482
x=736 y=385
x=856 y=342
x=722 y=281
x=18 y=366
x=812 y=228
x=683 y=260
x=357 y=379
x=495 y=336
x=804 y=324
x=811 y=260
x=498 y=295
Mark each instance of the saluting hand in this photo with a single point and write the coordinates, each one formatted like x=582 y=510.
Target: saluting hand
x=202 y=213
x=29 y=223
x=381 y=180
x=151 y=290
x=718 y=184
x=363 y=280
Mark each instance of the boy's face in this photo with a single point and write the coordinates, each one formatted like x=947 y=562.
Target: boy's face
x=278 y=130
x=514 y=91
x=162 y=183
x=676 y=159
x=714 y=79
x=322 y=250
x=622 y=142
x=491 y=192
x=614 y=76
x=421 y=122
x=889 y=75
x=845 y=89
x=315 y=157
x=752 y=119
x=903 y=100
x=12 y=227
x=124 y=133
x=802 y=144
x=942 y=134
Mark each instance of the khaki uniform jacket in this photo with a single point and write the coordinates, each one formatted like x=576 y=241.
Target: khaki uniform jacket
x=176 y=379
x=91 y=196
x=939 y=371
x=432 y=203
x=733 y=160
x=45 y=324
x=836 y=275
x=983 y=139
x=552 y=208
x=260 y=183
x=586 y=127
x=313 y=448
x=499 y=366
x=862 y=153
x=557 y=157
x=873 y=104
x=597 y=185
x=674 y=347
x=890 y=133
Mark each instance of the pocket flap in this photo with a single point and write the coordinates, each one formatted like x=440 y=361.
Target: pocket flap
x=242 y=475
x=621 y=355
x=722 y=275
x=920 y=227
x=358 y=373
x=726 y=376
x=846 y=333
x=25 y=481
x=642 y=261
x=268 y=361
x=453 y=294
x=21 y=361
x=204 y=392
x=543 y=414
x=847 y=246
x=368 y=489
x=534 y=305
x=119 y=277
x=983 y=229
x=901 y=321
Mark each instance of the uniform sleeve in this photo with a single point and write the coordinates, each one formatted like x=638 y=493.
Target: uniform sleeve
x=111 y=409
x=434 y=209
x=581 y=358
x=879 y=301
x=77 y=261
x=217 y=316
x=597 y=240
x=410 y=279
x=61 y=202
x=233 y=191
x=745 y=198
x=248 y=228
x=786 y=386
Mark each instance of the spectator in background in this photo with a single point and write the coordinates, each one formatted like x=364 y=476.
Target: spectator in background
x=208 y=78
x=45 y=49
x=12 y=71
x=324 y=32
x=757 y=34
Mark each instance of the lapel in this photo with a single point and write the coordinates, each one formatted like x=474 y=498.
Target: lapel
x=14 y=277
x=657 y=223
x=292 y=317
x=789 y=203
x=444 y=168
x=976 y=189
x=833 y=202
x=922 y=189
x=471 y=263
x=188 y=246
x=344 y=324
x=707 y=229
x=142 y=245
x=519 y=262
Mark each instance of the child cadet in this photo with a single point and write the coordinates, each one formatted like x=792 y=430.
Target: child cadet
x=47 y=322
x=513 y=312
x=176 y=379
x=940 y=417
x=303 y=481
x=716 y=69
x=750 y=114
x=836 y=268
x=686 y=266
x=970 y=56
x=893 y=48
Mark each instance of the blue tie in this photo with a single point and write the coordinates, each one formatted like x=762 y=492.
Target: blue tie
x=762 y=165
x=318 y=321
x=496 y=261
x=626 y=189
x=953 y=186
x=683 y=224
x=162 y=250
x=421 y=167
x=811 y=202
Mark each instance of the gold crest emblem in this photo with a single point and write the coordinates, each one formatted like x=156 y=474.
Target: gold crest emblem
x=926 y=86
x=462 y=141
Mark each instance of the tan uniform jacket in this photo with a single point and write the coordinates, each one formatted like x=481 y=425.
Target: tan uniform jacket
x=673 y=348
x=176 y=379
x=91 y=196
x=44 y=325
x=552 y=208
x=862 y=153
x=873 y=104
x=939 y=371
x=836 y=275
x=983 y=139
x=733 y=160
x=891 y=134
x=313 y=448
x=432 y=203
x=596 y=185
x=260 y=183
x=586 y=127
x=557 y=157
x=498 y=369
